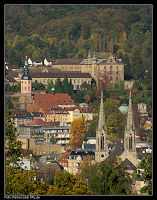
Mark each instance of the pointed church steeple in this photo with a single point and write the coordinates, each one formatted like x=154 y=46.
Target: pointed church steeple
x=130 y=121
x=101 y=152
x=130 y=135
x=101 y=122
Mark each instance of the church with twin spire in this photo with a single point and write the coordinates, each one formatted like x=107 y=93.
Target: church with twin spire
x=128 y=152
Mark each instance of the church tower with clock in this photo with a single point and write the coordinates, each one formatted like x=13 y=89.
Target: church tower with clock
x=101 y=152
x=26 y=87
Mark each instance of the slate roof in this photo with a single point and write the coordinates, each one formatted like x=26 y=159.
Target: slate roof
x=116 y=151
x=81 y=152
x=129 y=165
x=89 y=146
x=53 y=166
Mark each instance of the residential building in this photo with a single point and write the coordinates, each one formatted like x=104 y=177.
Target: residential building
x=47 y=170
x=49 y=61
x=22 y=117
x=75 y=158
x=61 y=134
x=142 y=108
x=63 y=161
x=35 y=61
x=40 y=148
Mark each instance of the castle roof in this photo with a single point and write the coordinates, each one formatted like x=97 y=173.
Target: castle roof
x=68 y=61
x=60 y=74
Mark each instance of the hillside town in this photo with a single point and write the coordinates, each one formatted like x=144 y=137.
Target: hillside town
x=43 y=122
x=74 y=119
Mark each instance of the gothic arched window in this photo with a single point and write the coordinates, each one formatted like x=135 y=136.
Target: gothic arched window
x=102 y=142
x=130 y=143
x=98 y=144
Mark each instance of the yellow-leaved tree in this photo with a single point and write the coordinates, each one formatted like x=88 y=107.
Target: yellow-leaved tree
x=77 y=132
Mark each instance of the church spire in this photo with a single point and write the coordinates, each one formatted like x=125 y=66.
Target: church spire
x=130 y=135
x=130 y=121
x=101 y=152
x=101 y=122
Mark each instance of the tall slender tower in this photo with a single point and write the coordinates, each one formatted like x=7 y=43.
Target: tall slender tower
x=101 y=152
x=130 y=135
x=26 y=87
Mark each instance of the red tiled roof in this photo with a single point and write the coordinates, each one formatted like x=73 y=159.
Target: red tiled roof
x=48 y=101
x=64 y=156
x=42 y=123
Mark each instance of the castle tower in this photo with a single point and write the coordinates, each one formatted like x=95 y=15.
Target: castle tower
x=26 y=87
x=101 y=152
x=130 y=135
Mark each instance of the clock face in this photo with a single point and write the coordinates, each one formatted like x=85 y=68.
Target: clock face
x=102 y=155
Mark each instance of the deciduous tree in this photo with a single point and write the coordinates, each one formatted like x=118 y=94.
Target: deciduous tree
x=67 y=184
x=107 y=178
x=77 y=132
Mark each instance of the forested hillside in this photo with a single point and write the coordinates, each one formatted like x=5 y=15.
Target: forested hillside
x=66 y=31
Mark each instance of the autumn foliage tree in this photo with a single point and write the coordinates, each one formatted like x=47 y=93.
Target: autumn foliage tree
x=77 y=132
x=19 y=181
x=23 y=182
x=67 y=184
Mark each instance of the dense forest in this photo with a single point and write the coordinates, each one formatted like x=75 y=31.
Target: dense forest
x=66 y=31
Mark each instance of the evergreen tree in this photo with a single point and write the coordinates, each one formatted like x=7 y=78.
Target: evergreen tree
x=127 y=72
x=53 y=51
x=50 y=85
x=13 y=148
x=65 y=85
x=58 y=86
x=8 y=102
x=137 y=69
x=71 y=88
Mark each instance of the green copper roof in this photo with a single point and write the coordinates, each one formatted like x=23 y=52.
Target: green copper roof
x=94 y=58
x=123 y=109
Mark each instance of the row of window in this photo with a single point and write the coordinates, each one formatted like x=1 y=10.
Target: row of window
x=111 y=67
x=26 y=88
x=73 y=81
x=70 y=67
x=26 y=82
x=111 y=72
